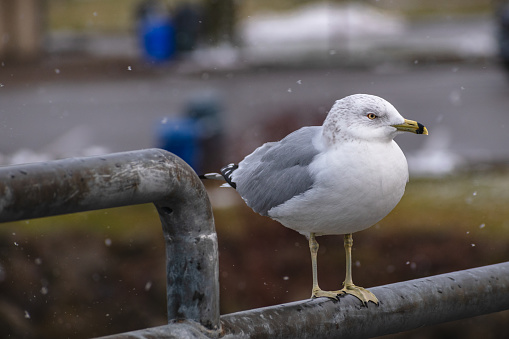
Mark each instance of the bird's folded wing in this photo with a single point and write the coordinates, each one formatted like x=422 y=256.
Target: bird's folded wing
x=277 y=171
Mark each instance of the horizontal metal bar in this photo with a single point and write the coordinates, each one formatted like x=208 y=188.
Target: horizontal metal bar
x=147 y=176
x=177 y=330
x=403 y=306
x=83 y=184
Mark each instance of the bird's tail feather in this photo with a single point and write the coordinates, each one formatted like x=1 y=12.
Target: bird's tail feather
x=213 y=176
x=226 y=174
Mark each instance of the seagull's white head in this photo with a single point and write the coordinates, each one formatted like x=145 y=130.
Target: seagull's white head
x=366 y=117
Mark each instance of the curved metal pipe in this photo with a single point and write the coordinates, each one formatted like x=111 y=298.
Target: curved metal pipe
x=128 y=178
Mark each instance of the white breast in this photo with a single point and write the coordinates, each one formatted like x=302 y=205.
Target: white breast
x=356 y=185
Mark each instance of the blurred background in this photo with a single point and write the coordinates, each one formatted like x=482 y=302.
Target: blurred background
x=211 y=81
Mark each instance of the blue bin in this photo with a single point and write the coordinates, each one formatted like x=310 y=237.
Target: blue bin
x=158 y=37
x=181 y=137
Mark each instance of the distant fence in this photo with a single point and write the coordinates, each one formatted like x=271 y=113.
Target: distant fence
x=156 y=176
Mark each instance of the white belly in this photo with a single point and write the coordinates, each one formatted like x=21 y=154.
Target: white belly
x=355 y=187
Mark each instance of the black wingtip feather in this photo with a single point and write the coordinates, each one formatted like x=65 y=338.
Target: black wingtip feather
x=227 y=172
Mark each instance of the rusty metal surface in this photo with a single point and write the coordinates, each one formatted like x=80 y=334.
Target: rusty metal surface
x=147 y=176
x=403 y=306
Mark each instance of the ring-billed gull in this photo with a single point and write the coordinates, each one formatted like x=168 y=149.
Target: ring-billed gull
x=338 y=178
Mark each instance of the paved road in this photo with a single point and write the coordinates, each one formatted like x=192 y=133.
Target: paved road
x=470 y=103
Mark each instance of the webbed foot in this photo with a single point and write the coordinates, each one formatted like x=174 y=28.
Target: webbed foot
x=360 y=293
x=319 y=293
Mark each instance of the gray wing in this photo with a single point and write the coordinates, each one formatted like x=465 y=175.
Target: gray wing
x=277 y=171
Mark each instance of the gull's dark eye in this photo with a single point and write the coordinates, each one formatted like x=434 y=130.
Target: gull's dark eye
x=371 y=116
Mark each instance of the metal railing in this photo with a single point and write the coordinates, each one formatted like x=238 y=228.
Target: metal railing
x=148 y=176
x=156 y=176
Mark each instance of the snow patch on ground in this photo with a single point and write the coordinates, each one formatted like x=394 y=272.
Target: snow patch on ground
x=321 y=27
x=320 y=21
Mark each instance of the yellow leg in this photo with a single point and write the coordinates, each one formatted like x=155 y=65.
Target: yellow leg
x=348 y=287
x=317 y=292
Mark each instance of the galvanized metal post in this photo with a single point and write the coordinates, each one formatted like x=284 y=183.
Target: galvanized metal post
x=83 y=184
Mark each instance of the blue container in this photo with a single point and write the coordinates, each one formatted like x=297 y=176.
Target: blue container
x=180 y=137
x=158 y=36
